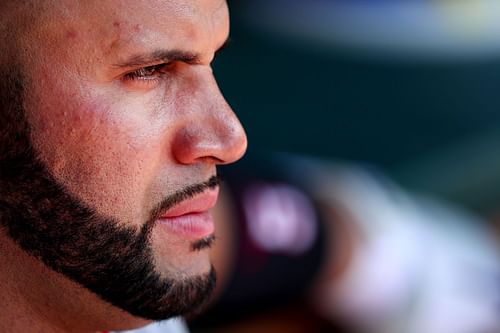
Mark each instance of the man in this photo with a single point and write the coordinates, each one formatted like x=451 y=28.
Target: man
x=111 y=128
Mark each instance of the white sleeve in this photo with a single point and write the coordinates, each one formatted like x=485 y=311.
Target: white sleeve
x=175 y=325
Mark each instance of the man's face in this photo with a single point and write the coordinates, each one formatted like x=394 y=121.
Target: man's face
x=127 y=125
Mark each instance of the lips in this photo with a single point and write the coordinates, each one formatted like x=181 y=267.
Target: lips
x=191 y=218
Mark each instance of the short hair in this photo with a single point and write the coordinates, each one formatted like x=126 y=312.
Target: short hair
x=16 y=19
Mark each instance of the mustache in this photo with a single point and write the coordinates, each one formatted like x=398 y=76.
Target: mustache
x=184 y=194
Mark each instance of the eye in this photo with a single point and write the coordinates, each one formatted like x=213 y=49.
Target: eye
x=147 y=74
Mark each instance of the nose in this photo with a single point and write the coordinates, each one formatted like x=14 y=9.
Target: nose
x=212 y=132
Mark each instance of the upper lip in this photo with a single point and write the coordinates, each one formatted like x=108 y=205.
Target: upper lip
x=197 y=204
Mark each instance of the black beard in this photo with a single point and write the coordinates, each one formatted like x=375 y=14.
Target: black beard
x=48 y=222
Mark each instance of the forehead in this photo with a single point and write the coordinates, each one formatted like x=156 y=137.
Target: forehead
x=154 y=11
x=116 y=25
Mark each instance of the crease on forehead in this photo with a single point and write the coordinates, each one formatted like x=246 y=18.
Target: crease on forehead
x=123 y=24
x=130 y=31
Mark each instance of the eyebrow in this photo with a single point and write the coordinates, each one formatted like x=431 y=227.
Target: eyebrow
x=159 y=56
x=165 y=56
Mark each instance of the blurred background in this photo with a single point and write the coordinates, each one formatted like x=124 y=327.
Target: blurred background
x=409 y=88
x=409 y=85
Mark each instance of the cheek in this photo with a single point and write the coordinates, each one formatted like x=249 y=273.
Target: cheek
x=106 y=159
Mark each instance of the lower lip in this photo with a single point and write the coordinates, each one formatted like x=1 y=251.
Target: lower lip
x=192 y=225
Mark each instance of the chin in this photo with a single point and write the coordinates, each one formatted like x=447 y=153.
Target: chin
x=180 y=259
x=185 y=267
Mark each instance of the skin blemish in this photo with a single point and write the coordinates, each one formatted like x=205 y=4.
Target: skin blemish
x=137 y=28
x=71 y=34
x=116 y=24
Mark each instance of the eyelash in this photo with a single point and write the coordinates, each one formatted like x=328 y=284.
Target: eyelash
x=147 y=74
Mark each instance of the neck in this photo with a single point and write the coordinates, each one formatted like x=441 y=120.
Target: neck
x=21 y=306
x=37 y=299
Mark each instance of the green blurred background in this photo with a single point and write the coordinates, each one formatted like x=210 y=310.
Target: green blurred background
x=432 y=125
